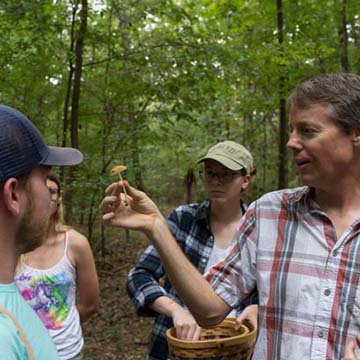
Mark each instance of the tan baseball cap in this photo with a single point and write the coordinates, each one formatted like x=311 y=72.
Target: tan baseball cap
x=232 y=155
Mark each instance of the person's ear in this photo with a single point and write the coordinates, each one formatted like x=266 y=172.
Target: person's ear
x=356 y=140
x=246 y=182
x=11 y=198
x=356 y=137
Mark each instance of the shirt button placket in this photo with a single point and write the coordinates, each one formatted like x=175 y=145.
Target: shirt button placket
x=324 y=306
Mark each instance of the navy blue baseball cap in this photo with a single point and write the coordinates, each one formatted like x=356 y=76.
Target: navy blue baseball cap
x=23 y=147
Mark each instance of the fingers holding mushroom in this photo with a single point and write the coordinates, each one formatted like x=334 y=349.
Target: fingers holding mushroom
x=117 y=170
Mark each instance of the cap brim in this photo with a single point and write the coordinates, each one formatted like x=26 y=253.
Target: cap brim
x=62 y=156
x=223 y=160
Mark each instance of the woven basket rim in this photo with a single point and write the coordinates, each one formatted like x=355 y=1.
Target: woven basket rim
x=215 y=343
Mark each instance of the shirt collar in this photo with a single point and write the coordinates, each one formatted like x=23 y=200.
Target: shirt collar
x=203 y=211
x=300 y=194
x=304 y=196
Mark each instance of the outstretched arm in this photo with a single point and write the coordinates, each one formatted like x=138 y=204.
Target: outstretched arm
x=140 y=213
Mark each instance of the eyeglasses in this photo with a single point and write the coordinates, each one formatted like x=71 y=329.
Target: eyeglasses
x=223 y=177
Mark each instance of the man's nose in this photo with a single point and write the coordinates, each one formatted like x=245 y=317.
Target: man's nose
x=293 y=142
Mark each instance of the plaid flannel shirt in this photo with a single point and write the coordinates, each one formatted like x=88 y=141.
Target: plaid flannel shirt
x=308 y=281
x=190 y=226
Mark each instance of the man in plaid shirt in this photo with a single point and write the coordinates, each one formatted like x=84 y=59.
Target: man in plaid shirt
x=300 y=247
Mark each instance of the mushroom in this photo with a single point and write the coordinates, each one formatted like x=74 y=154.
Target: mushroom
x=117 y=170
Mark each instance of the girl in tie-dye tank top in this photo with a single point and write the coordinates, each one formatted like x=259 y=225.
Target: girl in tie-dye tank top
x=48 y=277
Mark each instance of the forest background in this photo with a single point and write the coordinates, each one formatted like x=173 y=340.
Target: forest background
x=151 y=84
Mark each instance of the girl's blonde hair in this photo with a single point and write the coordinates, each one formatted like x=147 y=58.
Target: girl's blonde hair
x=58 y=218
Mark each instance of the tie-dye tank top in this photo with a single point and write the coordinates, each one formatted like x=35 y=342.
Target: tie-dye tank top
x=52 y=294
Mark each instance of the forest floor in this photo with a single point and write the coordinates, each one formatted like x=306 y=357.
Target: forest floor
x=116 y=332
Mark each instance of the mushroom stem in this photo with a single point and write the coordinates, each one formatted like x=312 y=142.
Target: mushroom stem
x=122 y=183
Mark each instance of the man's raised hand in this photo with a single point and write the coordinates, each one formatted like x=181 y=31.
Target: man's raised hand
x=134 y=211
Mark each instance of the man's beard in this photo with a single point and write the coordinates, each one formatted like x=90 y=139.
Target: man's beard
x=32 y=230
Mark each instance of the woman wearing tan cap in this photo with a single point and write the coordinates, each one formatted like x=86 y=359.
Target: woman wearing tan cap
x=204 y=231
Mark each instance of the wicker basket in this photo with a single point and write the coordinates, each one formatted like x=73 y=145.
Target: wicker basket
x=220 y=343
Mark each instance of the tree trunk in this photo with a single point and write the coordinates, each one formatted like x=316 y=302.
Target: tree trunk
x=343 y=37
x=132 y=117
x=79 y=49
x=283 y=171
x=135 y=158
x=70 y=77
x=106 y=128
x=74 y=116
x=65 y=130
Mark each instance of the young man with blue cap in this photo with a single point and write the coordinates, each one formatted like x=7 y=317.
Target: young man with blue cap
x=25 y=161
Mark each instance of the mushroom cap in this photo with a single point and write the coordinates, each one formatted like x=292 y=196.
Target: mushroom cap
x=117 y=170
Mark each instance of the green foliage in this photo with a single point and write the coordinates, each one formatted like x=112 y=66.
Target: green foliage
x=164 y=79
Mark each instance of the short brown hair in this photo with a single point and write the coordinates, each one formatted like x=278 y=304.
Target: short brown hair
x=339 y=90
